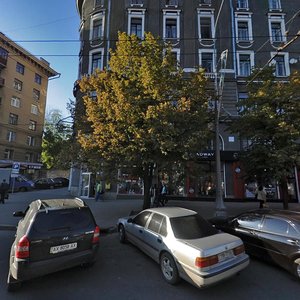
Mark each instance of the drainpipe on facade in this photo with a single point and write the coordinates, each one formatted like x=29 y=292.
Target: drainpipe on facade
x=107 y=32
x=233 y=38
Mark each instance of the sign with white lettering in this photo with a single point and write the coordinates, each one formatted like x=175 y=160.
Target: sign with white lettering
x=15 y=168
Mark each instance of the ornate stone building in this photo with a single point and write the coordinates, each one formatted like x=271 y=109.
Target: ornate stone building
x=201 y=32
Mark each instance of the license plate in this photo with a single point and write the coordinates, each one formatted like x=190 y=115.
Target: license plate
x=225 y=255
x=62 y=248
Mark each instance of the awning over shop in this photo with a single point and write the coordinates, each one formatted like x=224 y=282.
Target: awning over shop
x=23 y=165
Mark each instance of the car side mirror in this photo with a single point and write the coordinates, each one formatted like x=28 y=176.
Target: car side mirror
x=19 y=214
x=130 y=220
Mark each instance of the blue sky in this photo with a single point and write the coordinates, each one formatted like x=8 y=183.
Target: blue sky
x=47 y=29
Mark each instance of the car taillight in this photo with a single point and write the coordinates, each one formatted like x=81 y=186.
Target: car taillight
x=96 y=235
x=22 y=249
x=239 y=250
x=203 y=262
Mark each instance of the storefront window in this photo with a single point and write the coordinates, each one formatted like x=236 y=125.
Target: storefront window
x=130 y=184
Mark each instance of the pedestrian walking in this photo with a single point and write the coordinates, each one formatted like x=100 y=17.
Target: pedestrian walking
x=4 y=187
x=262 y=197
x=98 y=190
x=163 y=194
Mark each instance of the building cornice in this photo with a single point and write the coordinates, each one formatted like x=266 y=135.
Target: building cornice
x=40 y=63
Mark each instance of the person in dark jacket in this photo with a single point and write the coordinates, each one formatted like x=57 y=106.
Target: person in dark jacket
x=4 y=187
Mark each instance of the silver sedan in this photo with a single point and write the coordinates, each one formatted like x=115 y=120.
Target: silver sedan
x=185 y=245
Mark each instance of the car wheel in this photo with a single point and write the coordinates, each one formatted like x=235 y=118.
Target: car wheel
x=169 y=268
x=22 y=189
x=13 y=284
x=122 y=234
x=296 y=267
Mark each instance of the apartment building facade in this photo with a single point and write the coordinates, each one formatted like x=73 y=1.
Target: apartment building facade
x=250 y=32
x=23 y=91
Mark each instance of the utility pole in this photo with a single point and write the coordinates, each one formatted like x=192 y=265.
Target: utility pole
x=220 y=207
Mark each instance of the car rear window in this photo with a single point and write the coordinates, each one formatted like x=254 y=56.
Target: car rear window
x=191 y=227
x=62 y=220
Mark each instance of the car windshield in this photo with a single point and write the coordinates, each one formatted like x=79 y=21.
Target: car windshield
x=191 y=227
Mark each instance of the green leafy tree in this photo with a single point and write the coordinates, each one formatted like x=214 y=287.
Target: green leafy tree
x=270 y=122
x=57 y=142
x=145 y=111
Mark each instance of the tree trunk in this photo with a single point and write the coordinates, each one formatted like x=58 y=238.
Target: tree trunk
x=148 y=175
x=285 y=195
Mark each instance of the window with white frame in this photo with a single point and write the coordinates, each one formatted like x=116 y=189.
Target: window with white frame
x=243 y=24
x=34 y=109
x=171 y=23
x=13 y=119
x=281 y=62
x=176 y=55
x=20 y=68
x=136 y=23
x=277 y=28
x=207 y=60
x=15 y=101
x=97 y=27
x=276 y=32
x=36 y=94
x=38 y=78
x=242 y=4
x=136 y=26
x=242 y=96
x=32 y=125
x=8 y=154
x=243 y=31
x=245 y=62
x=11 y=136
x=274 y=4
x=206 y=26
x=96 y=60
x=18 y=85
x=30 y=141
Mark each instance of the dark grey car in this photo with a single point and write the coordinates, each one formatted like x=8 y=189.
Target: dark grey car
x=51 y=236
x=273 y=235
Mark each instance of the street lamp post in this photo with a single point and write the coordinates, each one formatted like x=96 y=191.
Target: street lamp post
x=220 y=207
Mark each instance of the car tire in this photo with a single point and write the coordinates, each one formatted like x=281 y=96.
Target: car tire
x=169 y=269
x=122 y=234
x=23 y=189
x=296 y=267
x=12 y=284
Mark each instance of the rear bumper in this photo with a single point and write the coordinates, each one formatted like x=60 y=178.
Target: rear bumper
x=24 y=270
x=209 y=278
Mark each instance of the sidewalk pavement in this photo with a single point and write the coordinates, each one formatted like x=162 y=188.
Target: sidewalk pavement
x=108 y=212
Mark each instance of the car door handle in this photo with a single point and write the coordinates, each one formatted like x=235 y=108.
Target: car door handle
x=293 y=242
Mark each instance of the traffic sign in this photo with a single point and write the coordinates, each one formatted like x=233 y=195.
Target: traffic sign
x=15 y=168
